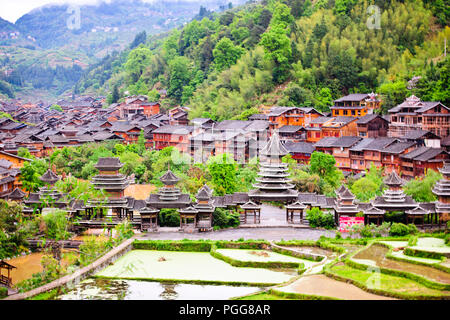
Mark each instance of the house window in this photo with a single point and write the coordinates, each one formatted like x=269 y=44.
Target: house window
x=353 y=112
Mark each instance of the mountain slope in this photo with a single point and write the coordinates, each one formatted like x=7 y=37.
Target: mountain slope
x=48 y=38
x=290 y=52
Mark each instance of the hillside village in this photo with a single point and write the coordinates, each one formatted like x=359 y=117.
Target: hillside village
x=412 y=138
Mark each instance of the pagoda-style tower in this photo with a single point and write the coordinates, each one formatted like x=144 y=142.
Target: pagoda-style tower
x=168 y=196
x=47 y=196
x=442 y=190
x=205 y=209
x=114 y=184
x=345 y=204
x=273 y=183
x=394 y=199
x=109 y=178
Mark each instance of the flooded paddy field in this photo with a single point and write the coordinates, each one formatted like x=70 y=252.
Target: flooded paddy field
x=377 y=255
x=261 y=256
x=109 y=289
x=188 y=266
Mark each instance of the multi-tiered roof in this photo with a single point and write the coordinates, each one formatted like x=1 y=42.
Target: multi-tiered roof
x=168 y=196
x=46 y=196
x=273 y=183
x=394 y=198
x=110 y=180
x=109 y=177
x=345 y=203
x=442 y=190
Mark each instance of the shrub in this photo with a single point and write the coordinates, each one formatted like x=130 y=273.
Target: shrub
x=3 y=292
x=56 y=224
x=366 y=232
x=338 y=235
x=317 y=218
x=399 y=229
x=169 y=218
x=224 y=218
x=447 y=238
x=412 y=229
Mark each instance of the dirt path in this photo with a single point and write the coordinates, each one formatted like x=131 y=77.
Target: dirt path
x=321 y=285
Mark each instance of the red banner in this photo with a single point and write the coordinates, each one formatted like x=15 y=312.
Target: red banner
x=345 y=223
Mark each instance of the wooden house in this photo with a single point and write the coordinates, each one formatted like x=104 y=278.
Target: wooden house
x=355 y=105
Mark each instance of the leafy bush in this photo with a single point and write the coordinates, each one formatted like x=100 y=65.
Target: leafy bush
x=224 y=218
x=3 y=292
x=56 y=225
x=447 y=239
x=366 y=232
x=169 y=218
x=412 y=229
x=399 y=229
x=317 y=218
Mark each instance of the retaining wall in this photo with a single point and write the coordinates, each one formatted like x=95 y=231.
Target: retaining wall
x=79 y=275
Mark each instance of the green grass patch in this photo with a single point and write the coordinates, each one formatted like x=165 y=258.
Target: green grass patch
x=384 y=284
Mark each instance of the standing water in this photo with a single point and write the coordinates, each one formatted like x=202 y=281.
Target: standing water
x=106 y=289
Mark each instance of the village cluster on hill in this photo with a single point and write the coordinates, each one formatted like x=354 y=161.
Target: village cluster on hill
x=413 y=137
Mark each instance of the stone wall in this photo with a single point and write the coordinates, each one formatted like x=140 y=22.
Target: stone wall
x=79 y=275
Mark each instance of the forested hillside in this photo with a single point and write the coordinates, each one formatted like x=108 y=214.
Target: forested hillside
x=48 y=48
x=291 y=52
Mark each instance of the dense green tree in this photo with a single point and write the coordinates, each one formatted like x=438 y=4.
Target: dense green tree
x=138 y=60
x=223 y=170
x=179 y=76
x=420 y=189
x=226 y=54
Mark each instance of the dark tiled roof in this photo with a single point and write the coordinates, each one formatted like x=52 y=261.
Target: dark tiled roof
x=353 y=97
x=369 y=117
x=393 y=179
x=300 y=147
x=417 y=134
x=49 y=177
x=398 y=147
x=379 y=144
x=109 y=162
x=171 y=129
x=290 y=129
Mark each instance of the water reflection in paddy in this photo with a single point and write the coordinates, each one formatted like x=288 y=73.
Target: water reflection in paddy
x=106 y=289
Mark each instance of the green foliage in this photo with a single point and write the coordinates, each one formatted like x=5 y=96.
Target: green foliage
x=3 y=292
x=138 y=59
x=24 y=153
x=399 y=230
x=56 y=107
x=30 y=174
x=370 y=186
x=56 y=225
x=224 y=218
x=223 y=170
x=226 y=54
x=323 y=165
x=319 y=219
x=420 y=189
x=169 y=218
x=13 y=234
x=124 y=230
x=52 y=270
x=91 y=249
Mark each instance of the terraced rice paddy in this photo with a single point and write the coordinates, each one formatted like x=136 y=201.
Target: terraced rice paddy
x=432 y=245
x=321 y=285
x=187 y=266
x=261 y=256
x=386 y=282
x=377 y=254
x=107 y=289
